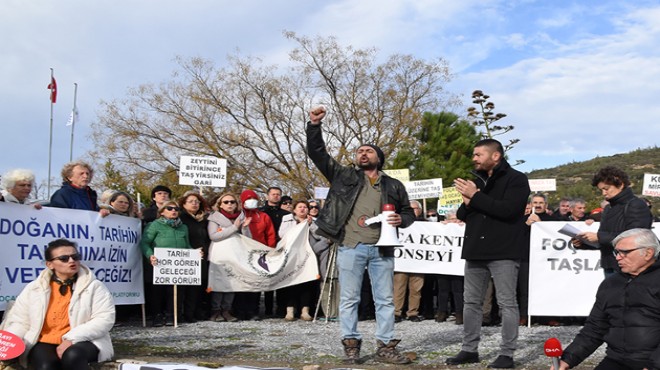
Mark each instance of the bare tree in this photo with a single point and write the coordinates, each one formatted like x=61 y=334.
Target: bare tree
x=254 y=115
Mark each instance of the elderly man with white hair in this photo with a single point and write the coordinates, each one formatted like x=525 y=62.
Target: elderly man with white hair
x=626 y=314
x=17 y=185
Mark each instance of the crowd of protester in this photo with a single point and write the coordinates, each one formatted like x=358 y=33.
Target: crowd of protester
x=193 y=221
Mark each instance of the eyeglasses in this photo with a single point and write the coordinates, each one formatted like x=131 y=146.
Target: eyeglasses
x=432 y=215
x=172 y=208
x=228 y=202
x=286 y=203
x=624 y=252
x=314 y=207
x=65 y=258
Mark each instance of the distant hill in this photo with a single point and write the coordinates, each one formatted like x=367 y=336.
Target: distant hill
x=574 y=179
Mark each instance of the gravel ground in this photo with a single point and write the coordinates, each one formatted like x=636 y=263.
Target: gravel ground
x=274 y=342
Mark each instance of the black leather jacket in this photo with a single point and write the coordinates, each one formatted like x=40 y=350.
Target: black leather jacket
x=345 y=185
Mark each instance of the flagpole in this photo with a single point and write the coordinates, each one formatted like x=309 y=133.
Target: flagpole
x=50 y=144
x=73 y=119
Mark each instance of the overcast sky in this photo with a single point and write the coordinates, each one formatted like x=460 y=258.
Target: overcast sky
x=578 y=79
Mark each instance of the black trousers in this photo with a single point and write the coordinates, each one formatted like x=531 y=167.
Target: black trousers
x=43 y=356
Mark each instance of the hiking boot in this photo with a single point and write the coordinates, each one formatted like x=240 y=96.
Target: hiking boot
x=459 y=319
x=216 y=316
x=351 y=350
x=388 y=353
x=228 y=316
x=441 y=316
x=502 y=362
x=463 y=357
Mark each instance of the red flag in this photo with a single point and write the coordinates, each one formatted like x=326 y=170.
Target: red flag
x=52 y=86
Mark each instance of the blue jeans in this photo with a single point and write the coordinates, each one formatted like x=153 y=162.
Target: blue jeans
x=505 y=277
x=351 y=263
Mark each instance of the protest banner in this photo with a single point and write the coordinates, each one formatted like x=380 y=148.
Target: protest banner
x=651 y=185
x=430 y=248
x=203 y=171
x=422 y=189
x=241 y=264
x=177 y=266
x=321 y=192
x=402 y=175
x=108 y=246
x=559 y=270
x=542 y=185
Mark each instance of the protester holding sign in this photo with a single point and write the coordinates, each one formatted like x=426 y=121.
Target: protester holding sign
x=222 y=224
x=75 y=192
x=625 y=212
x=65 y=315
x=167 y=231
x=17 y=186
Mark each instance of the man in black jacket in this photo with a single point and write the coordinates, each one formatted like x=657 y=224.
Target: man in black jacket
x=355 y=195
x=626 y=314
x=493 y=211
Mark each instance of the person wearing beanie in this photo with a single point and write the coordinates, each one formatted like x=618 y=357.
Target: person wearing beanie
x=260 y=229
x=357 y=193
x=159 y=195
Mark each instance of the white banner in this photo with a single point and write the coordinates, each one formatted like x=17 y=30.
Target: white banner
x=178 y=266
x=203 y=171
x=563 y=281
x=431 y=248
x=402 y=175
x=651 y=185
x=108 y=245
x=241 y=264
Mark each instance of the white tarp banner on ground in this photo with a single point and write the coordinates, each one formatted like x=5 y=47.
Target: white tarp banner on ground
x=430 y=248
x=108 y=245
x=240 y=264
x=157 y=366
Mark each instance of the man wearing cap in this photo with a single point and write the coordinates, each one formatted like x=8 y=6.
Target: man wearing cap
x=356 y=194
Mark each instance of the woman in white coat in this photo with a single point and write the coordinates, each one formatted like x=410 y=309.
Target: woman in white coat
x=65 y=315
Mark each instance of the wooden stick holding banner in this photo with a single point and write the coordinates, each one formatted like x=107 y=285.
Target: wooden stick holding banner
x=177 y=267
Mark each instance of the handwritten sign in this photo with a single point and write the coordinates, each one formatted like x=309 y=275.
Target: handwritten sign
x=402 y=175
x=543 y=184
x=203 y=171
x=422 y=189
x=178 y=267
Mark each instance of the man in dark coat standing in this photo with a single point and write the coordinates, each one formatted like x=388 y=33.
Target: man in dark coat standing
x=493 y=211
x=626 y=314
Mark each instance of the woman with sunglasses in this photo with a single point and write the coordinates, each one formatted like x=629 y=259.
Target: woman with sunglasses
x=227 y=221
x=167 y=231
x=64 y=316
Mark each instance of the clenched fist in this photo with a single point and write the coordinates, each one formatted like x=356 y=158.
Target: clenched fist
x=317 y=114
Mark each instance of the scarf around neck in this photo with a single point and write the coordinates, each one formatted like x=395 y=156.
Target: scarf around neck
x=64 y=284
